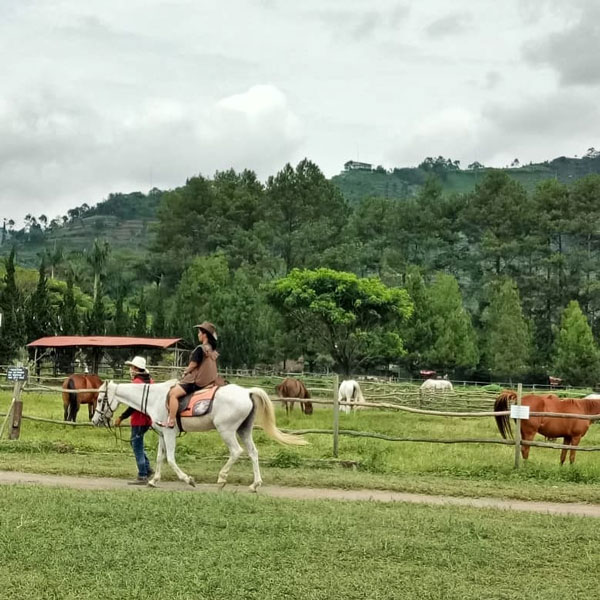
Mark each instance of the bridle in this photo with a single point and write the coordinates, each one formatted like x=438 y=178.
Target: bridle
x=103 y=407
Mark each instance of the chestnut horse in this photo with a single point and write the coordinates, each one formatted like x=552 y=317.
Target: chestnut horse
x=571 y=430
x=72 y=402
x=294 y=388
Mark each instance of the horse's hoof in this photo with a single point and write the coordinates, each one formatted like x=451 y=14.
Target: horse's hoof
x=152 y=483
x=254 y=486
x=191 y=481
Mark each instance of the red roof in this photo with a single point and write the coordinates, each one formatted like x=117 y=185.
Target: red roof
x=63 y=341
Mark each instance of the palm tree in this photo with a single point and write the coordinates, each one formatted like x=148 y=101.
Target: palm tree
x=97 y=259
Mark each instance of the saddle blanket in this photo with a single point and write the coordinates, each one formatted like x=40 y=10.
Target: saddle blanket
x=197 y=404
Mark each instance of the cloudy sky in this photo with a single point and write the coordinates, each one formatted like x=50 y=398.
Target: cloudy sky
x=111 y=96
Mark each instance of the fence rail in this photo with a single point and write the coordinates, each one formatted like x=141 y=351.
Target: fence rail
x=462 y=403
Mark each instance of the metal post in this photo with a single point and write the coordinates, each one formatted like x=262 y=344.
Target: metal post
x=518 y=429
x=336 y=415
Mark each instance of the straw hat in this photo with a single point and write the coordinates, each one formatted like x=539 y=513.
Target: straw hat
x=139 y=362
x=208 y=328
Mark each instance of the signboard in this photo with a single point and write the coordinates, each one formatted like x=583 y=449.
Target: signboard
x=16 y=374
x=517 y=411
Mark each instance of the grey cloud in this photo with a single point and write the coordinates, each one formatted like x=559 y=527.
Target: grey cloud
x=57 y=154
x=571 y=52
x=449 y=25
x=362 y=25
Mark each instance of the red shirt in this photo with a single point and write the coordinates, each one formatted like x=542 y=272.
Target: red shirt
x=138 y=419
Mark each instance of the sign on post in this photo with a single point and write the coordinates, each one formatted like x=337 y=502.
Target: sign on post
x=518 y=411
x=16 y=374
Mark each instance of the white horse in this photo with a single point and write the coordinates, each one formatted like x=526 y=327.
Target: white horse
x=233 y=412
x=436 y=385
x=349 y=392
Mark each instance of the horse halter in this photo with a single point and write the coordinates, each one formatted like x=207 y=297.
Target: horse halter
x=103 y=406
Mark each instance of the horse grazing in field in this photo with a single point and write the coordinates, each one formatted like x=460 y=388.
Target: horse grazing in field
x=436 y=385
x=570 y=429
x=72 y=401
x=349 y=392
x=232 y=414
x=294 y=388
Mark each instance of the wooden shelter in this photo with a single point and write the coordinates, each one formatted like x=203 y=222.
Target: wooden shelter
x=98 y=343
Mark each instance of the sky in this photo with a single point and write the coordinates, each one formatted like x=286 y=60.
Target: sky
x=99 y=97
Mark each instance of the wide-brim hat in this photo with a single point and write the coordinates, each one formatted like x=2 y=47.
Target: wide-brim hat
x=208 y=328
x=139 y=362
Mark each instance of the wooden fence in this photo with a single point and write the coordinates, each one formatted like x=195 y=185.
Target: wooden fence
x=379 y=396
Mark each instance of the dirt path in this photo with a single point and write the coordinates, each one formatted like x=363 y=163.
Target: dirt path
x=298 y=493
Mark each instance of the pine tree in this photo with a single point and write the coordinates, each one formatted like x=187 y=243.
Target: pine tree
x=69 y=321
x=454 y=342
x=577 y=358
x=11 y=332
x=140 y=324
x=95 y=322
x=41 y=321
x=506 y=332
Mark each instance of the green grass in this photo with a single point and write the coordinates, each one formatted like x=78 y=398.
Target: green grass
x=66 y=544
x=456 y=469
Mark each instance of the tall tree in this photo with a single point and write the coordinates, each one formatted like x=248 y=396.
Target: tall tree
x=506 y=332
x=40 y=315
x=454 y=341
x=354 y=320
x=68 y=316
x=97 y=259
x=577 y=359
x=305 y=213
x=140 y=322
x=11 y=331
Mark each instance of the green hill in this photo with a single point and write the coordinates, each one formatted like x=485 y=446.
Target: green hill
x=125 y=220
x=405 y=182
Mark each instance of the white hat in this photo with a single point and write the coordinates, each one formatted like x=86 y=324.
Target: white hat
x=139 y=362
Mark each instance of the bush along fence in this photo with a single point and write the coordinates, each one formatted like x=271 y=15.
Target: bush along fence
x=378 y=396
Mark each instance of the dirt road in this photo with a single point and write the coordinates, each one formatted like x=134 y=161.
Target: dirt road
x=298 y=493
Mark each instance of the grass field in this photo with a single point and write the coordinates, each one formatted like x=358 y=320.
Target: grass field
x=456 y=469
x=65 y=544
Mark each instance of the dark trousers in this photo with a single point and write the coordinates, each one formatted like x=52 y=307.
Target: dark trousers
x=137 y=443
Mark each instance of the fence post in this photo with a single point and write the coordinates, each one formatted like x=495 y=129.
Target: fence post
x=336 y=415
x=518 y=429
x=14 y=413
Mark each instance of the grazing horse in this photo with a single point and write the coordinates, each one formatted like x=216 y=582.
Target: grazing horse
x=349 y=392
x=72 y=401
x=294 y=388
x=232 y=414
x=436 y=385
x=571 y=430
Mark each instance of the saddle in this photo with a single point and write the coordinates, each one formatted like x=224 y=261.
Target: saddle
x=197 y=404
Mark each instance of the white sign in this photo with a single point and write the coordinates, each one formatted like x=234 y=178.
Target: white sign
x=518 y=411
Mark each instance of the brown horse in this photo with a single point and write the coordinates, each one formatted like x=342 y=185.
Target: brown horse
x=294 y=388
x=571 y=430
x=72 y=402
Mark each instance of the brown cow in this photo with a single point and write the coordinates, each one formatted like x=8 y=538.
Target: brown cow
x=294 y=388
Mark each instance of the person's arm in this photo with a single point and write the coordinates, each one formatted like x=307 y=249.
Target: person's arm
x=125 y=415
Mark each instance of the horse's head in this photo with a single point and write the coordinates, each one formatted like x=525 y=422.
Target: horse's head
x=106 y=405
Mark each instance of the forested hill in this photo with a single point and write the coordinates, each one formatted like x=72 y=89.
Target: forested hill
x=357 y=184
x=125 y=220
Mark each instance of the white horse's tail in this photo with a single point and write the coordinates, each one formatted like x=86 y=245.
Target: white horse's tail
x=266 y=418
x=359 y=394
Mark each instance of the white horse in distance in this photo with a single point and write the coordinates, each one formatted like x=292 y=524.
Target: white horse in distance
x=436 y=385
x=349 y=392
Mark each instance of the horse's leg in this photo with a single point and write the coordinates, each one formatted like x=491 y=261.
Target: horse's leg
x=245 y=434
x=563 y=452
x=575 y=442
x=91 y=408
x=160 y=458
x=527 y=436
x=235 y=451
x=169 y=439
